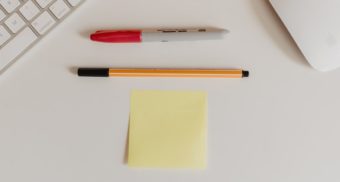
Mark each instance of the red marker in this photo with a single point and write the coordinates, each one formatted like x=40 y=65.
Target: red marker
x=159 y=35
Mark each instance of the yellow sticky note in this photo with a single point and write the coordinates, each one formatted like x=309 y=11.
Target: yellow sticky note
x=167 y=129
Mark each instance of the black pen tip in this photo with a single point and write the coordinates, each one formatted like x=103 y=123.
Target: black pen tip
x=245 y=74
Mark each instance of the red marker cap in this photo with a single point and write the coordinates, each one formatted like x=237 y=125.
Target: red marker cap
x=114 y=36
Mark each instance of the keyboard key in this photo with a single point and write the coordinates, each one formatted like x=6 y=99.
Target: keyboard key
x=43 y=3
x=10 y=5
x=15 y=23
x=2 y=15
x=29 y=10
x=74 y=2
x=59 y=9
x=4 y=35
x=17 y=45
x=43 y=23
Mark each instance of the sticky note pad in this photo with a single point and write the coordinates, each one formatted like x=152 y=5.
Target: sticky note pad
x=167 y=129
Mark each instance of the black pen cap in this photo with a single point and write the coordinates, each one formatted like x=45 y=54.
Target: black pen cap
x=93 y=72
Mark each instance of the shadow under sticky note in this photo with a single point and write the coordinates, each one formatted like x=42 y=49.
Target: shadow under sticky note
x=167 y=129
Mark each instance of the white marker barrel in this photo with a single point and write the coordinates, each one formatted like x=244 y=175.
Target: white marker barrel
x=169 y=35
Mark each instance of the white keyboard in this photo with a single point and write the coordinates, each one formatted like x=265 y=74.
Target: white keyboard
x=24 y=22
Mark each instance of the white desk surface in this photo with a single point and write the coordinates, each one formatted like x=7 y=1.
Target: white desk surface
x=282 y=124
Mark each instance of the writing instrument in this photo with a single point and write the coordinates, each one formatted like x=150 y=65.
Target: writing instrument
x=157 y=35
x=188 y=73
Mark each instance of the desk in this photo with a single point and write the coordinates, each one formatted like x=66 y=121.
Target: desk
x=281 y=124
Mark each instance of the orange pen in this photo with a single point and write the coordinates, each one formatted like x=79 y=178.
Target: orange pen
x=177 y=73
